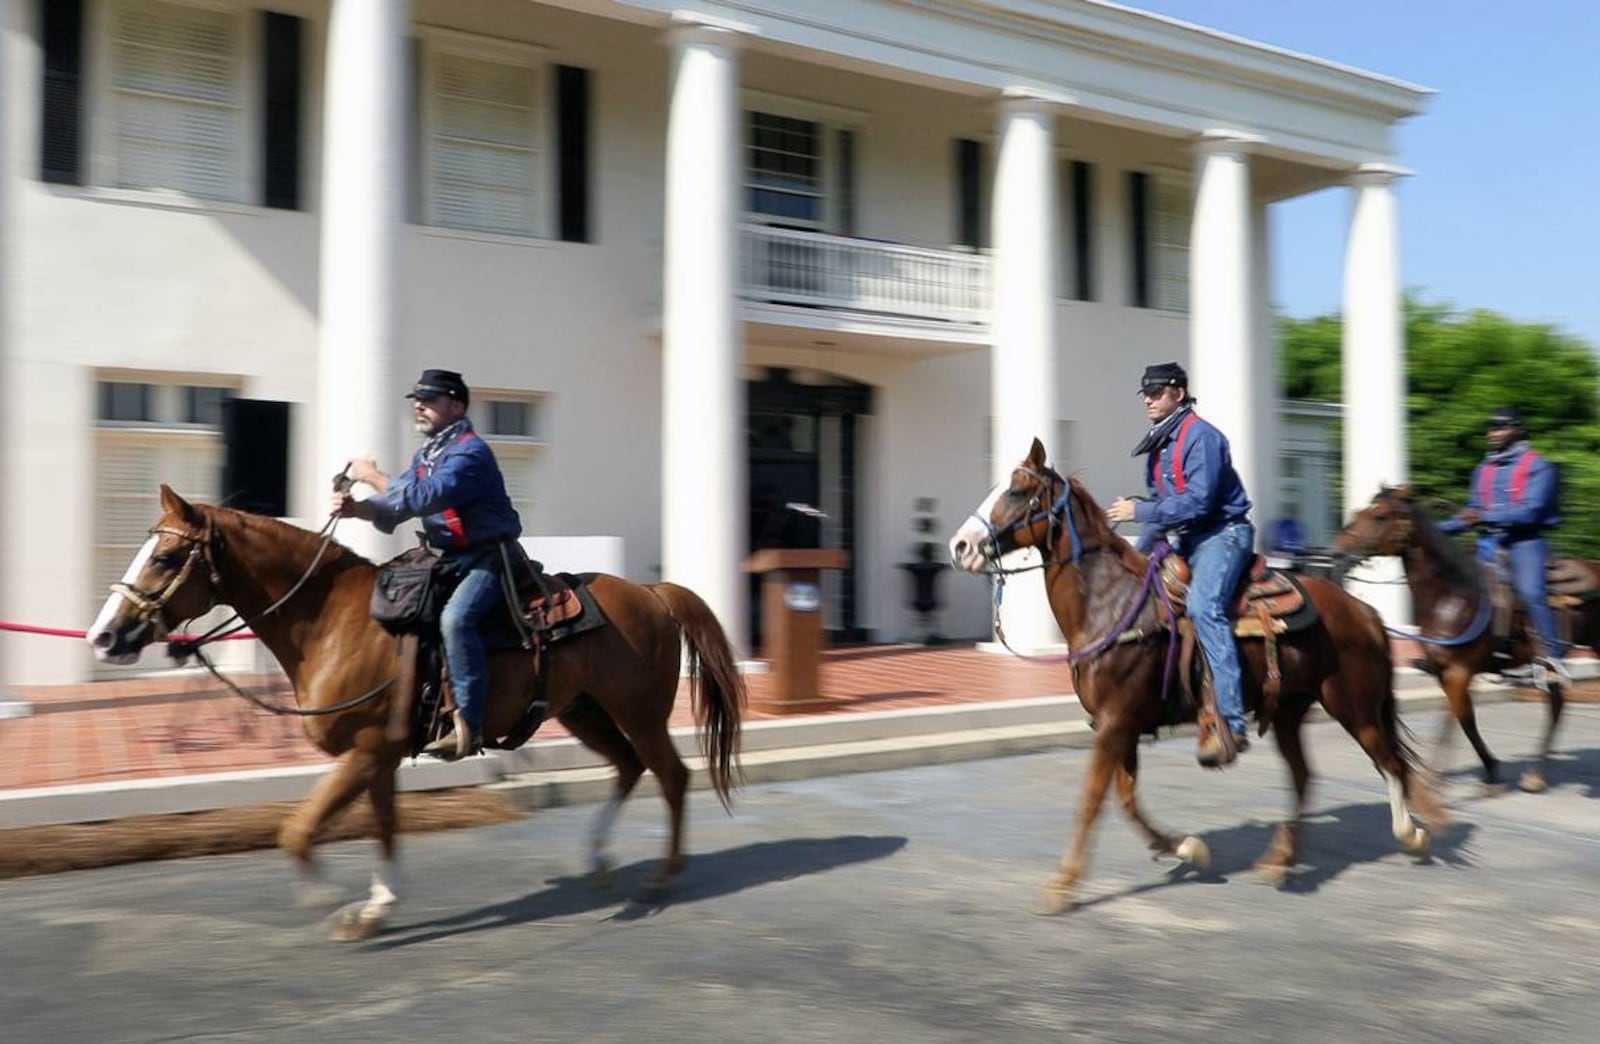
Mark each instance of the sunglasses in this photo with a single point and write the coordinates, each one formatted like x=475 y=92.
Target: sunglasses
x=1154 y=391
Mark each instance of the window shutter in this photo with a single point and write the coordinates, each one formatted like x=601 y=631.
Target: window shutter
x=1139 y=222
x=483 y=154
x=61 y=116
x=174 y=71
x=969 y=198
x=281 y=37
x=1082 y=231
x=844 y=160
x=572 y=134
x=1173 y=208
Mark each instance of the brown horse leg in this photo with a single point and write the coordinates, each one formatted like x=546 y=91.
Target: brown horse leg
x=352 y=774
x=1457 y=682
x=364 y=918
x=1533 y=780
x=593 y=727
x=1191 y=849
x=643 y=719
x=1111 y=745
x=1274 y=864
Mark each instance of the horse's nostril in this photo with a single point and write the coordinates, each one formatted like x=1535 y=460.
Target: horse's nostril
x=103 y=640
x=961 y=547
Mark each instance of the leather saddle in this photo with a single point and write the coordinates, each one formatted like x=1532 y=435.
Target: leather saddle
x=1571 y=582
x=1266 y=599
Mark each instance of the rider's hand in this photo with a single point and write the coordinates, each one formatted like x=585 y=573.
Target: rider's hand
x=1471 y=517
x=365 y=469
x=346 y=506
x=1121 y=510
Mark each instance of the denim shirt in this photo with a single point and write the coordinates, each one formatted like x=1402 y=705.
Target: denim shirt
x=1506 y=519
x=461 y=498
x=1213 y=493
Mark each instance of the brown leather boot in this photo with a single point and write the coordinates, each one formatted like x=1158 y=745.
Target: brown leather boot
x=458 y=744
x=1214 y=752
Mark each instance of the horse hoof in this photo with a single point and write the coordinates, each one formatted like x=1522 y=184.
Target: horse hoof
x=1272 y=874
x=1193 y=851
x=356 y=923
x=1417 y=844
x=1494 y=790
x=1533 y=782
x=1057 y=900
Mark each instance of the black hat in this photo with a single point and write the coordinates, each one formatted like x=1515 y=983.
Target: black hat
x=1505 y=417
x=440 y=382
x=1163 y=375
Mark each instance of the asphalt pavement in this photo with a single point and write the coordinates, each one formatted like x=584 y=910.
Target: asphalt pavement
x=888 y=907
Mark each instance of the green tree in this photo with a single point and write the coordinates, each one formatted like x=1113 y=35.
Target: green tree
x=1460 y=366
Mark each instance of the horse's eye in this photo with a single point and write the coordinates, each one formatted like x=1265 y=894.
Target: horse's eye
x=166 y=560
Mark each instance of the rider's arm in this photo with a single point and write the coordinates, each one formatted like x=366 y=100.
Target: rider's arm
x=1457 y=524
x=1202 y=462
x=455 y=482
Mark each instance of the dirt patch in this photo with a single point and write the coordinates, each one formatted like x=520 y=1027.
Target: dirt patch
x=80 y=846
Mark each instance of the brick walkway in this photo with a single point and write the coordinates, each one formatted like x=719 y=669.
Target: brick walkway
x=115 y=731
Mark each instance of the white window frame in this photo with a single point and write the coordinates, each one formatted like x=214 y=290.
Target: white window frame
x=103 y=103
x=437 y=41
x=518 y=451
x=830 y=119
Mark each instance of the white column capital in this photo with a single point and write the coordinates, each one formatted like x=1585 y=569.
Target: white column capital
x=688 y=28
x=1378 y=174
x=1024 y=101
x=1221 y=141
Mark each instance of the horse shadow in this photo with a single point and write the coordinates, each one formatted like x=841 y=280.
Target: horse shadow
x=709 y=875
x=1332 y=840
x=1578 y=770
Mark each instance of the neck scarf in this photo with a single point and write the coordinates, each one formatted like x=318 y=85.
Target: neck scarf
x=1513 y=450
x=1162 y=431
x=434 y=448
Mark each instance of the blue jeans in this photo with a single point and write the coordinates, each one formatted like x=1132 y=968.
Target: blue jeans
x=1529 y=559
x=476 y=596
x=1217 y=561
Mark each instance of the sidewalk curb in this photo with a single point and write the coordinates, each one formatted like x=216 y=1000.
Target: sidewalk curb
x=567 y=773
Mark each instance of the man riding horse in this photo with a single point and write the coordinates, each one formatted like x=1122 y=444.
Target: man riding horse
x=1512 y=501
x=1198 y=498
x=455 y=486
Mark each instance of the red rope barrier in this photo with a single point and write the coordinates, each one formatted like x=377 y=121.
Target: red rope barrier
x=60 y=632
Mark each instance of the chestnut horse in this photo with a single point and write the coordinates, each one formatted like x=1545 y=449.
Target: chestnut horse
x=613 y=688
x=1102 y=593
x=1453 y=606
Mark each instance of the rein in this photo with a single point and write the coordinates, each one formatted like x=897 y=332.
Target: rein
x=1474 y=630
x=182 y=649
x=1060 y=513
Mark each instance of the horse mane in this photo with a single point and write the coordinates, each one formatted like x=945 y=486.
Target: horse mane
x=302 y=544
x=1095 y=522
x=1456 y=565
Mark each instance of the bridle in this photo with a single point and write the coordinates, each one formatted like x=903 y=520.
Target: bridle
x=1406 y=539
x=1057 y=516
x=203 y=547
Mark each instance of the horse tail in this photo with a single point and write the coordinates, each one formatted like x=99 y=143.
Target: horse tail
x=717 y=687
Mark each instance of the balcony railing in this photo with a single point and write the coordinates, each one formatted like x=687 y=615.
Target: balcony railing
x=784 y=266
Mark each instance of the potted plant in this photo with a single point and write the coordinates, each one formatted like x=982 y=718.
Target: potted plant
x=927 y=564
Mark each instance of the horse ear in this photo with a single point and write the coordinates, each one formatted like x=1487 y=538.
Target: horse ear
x=173 y=504
x=1036 y=455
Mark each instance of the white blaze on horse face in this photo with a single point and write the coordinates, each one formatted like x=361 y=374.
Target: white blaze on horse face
x=966 y=546
x=108 y=612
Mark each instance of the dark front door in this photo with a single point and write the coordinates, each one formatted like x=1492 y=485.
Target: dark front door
x=802 y=442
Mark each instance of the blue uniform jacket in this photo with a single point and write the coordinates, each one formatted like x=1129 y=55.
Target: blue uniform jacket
x=1506 y=520
x=1213 y=493
x=461 y=500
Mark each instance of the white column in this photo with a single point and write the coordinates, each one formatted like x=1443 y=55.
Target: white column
x=1222 y=321
x=704 y=508
x=1374 y=372
x=1023 y=370
x=1268 y=402
x=11 y=30
x=359 y=404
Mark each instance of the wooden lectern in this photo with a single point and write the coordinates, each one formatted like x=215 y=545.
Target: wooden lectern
x=791 y=620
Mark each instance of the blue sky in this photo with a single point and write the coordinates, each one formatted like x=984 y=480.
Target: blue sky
x=1504 y=212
